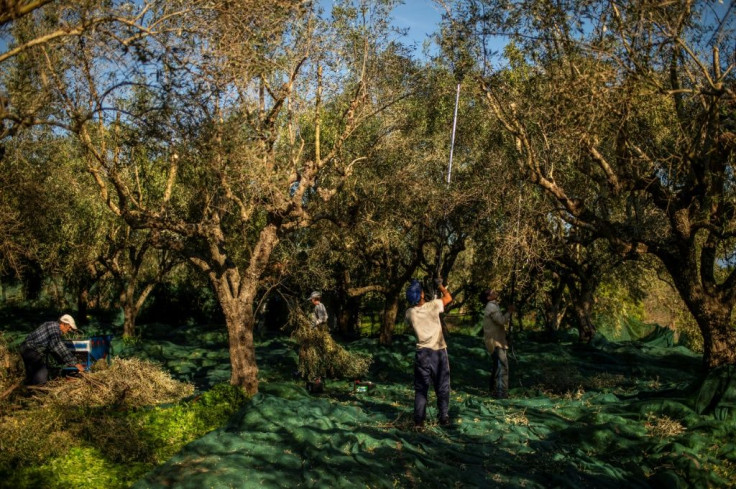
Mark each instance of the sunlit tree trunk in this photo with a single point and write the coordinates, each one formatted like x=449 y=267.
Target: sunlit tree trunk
x=240 y=323
x=236 y=292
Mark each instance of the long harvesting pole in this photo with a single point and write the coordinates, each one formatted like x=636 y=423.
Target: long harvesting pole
x=454 y=127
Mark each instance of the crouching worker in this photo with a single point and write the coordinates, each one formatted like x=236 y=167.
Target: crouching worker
x=44 y=340
x=494 y=335
x=431 y=363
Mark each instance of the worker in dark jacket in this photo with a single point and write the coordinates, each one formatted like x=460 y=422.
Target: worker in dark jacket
x=44 y=340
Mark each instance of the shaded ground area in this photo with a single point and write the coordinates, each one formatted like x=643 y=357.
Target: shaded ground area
x=605 y=415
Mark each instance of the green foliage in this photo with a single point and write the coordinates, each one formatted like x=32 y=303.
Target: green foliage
x=31 y=437
x=167 y=429
x=615 y=311
x=80 y=467
x=62 y=448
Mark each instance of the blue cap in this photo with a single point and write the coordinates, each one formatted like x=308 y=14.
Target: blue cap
x=414 y=292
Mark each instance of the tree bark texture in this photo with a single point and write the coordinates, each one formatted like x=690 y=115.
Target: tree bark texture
x=712 y=312
x=236 y=294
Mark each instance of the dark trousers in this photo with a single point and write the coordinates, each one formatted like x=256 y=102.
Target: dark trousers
x=36 y=370
x=431 y=367
x=499 y=373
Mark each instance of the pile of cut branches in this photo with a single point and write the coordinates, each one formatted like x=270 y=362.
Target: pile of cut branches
x=320 y=355
x=126 y=383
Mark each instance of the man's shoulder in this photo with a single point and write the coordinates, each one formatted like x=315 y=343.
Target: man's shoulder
x=46 y=326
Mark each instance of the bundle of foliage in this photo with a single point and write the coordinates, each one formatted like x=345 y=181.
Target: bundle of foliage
x=127 y=382
x=320 y=355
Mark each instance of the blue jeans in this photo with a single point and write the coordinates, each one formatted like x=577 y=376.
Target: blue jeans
x=499 y=373
x=431 y=367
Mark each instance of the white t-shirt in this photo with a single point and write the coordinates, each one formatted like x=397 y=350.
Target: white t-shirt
x=425 y=320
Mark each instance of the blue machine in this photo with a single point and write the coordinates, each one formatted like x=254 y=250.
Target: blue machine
x=91 y=350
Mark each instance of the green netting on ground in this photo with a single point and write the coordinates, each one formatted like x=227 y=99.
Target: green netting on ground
x=604 y=415
x=717 y=395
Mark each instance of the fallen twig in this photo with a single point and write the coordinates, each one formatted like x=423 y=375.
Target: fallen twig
x=11 y=389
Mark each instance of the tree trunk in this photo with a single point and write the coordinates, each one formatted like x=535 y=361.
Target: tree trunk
x=719 y=340
x=348 y=315
x=388 y=319
x=239 y=320
x=132 y=305
x=554 y=309
x=83 y=304
x=129 y=310
x=583 y=305
x=713 y=316
x=129 y=316
x=236 y=294
x=586 y=330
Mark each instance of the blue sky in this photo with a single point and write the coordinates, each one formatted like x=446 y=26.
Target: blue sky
x=421 y=17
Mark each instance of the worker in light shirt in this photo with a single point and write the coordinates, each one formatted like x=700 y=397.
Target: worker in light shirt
x=497 y=344
x=431 y=363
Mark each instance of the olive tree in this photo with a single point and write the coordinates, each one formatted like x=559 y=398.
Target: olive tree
x=216 y=129
x=625 y=119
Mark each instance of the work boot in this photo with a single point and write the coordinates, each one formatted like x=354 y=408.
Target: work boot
x=445 y=421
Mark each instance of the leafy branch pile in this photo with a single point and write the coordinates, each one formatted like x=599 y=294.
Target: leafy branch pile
x=128 y=382
x=97 y=420
x=320 y=355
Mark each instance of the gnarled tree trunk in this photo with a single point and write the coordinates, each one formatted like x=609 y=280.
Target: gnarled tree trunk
x=581 y=291
x=712 y=308
x=236 y=294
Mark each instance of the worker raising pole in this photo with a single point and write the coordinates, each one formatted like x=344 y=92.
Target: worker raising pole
x=452 y=142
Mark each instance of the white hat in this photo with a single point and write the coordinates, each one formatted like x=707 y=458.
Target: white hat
x=315 y=295
x=67 y=319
